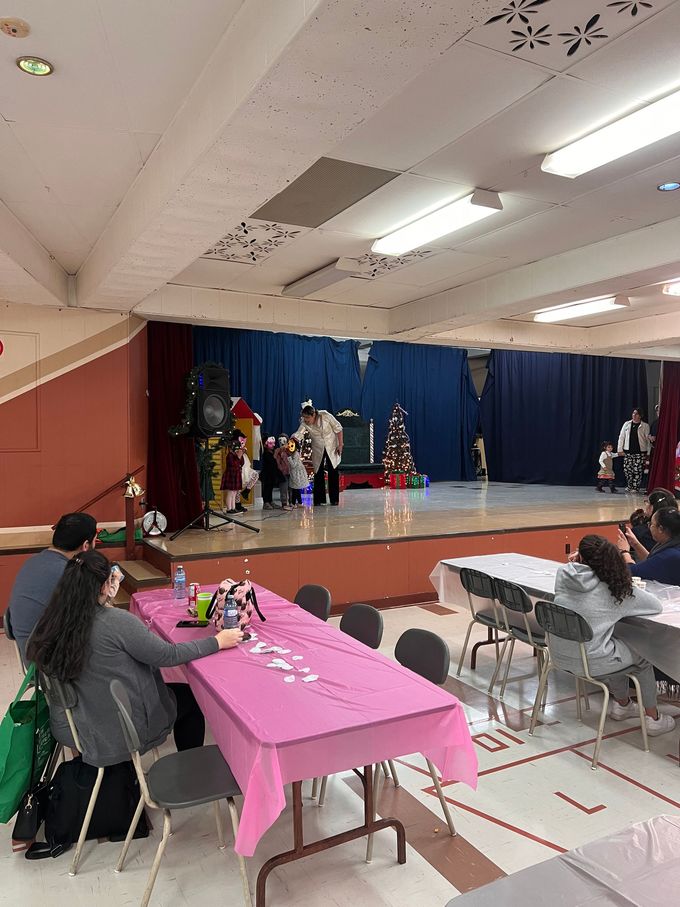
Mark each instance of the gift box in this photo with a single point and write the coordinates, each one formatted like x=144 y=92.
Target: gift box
x=397 y=480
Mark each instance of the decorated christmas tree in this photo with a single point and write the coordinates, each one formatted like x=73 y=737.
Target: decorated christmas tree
x=397 y=455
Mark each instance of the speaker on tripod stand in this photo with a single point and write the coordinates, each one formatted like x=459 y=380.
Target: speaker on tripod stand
x=210 y=418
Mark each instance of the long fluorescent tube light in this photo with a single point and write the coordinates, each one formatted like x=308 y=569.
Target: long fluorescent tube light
x=581 y=309
x=637 y=130
x=458 y=214
x=324 y=277
x=672 y=289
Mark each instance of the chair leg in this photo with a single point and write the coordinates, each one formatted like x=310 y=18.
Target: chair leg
x=220 y=827
x=393 y=772
x=322 y=792
x=315 y=788
x=641 y=710
x=600 y=727
x=128 y=838
x=579 y=706
x=507 y=667
x=241 y=860
x=157 y=859
x=385 y=770
x=499 y=662
x=376 y=794
x=495 y=636
x=542 y=685
x=465 y=645
x=442 y=798
x=86 y=822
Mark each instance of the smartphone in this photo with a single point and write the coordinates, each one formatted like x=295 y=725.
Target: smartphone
x=623 y=527
x=116 y=572
x=183 y=624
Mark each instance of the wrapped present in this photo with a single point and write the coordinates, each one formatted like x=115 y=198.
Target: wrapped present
x=397 y=480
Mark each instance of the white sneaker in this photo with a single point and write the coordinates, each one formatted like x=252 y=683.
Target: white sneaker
x=622 y=712
x=667 y=708
x=662 y=725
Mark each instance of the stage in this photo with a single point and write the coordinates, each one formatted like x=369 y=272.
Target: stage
x=379 y=545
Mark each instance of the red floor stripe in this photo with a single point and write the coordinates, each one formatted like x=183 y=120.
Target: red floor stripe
x=647 y=790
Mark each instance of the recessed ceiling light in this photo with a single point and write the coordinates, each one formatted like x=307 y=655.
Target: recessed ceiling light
x=668 y=187
x=35 y=66
x=581 y=309
x=672 y=289
x=637 y=130
x=455 y=216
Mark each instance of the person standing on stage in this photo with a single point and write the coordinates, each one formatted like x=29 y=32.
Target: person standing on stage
x=634 y=445
x=326 y=435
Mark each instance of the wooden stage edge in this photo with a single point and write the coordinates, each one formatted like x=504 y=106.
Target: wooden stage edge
x=386 y=573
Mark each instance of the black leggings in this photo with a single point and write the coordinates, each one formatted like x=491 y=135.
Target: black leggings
x=189 y=729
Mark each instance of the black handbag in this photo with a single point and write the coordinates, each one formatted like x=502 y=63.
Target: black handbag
x=30 y=816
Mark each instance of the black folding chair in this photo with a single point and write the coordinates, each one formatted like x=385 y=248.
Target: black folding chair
x=481 y=585
x=315 y=600
x=514 y=598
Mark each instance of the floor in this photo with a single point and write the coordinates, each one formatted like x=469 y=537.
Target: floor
x=537 y=797
x=443 y=508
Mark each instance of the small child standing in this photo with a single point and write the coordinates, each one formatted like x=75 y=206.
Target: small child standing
x=272 y=476
x=605 y=476
x=281 y=458
x=297 y=478
x=232 y=480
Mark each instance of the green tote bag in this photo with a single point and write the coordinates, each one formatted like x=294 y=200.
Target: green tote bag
x=25 y=745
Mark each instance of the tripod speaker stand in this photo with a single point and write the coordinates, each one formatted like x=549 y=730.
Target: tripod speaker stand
x=202 y=521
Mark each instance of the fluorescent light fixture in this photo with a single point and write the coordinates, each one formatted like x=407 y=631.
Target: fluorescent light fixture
x=637 y=130
x=324 y=277
x=581 y=309
x=672 y=289
x=455 y=216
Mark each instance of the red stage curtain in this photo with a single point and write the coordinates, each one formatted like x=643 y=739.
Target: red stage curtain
x=172 y=484
x=662 y=472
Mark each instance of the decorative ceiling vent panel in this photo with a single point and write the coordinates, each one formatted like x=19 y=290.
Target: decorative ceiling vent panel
x=370 y=266
x=252 y=242
x=555 y=33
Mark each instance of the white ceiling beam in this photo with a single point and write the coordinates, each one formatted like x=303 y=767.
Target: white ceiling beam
x=28 y=273
x=654 y=331
x=521 y=335
x=288 y=81
x=615 y=265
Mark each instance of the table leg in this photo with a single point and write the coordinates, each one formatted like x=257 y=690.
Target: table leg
x=300 y=849
x=489 y=641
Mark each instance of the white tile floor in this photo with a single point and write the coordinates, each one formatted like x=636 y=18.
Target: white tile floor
x=515 y=818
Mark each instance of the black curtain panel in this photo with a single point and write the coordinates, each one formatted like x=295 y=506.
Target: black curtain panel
x=172 y=485
x=545 y=416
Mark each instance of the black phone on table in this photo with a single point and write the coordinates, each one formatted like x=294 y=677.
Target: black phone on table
x=183 y=624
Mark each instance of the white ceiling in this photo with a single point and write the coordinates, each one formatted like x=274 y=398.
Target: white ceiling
x=448 y=100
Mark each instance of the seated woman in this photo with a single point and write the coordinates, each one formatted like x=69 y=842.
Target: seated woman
x=662 y=563
x=81 y=640
x=654 y=501
x=598 y=586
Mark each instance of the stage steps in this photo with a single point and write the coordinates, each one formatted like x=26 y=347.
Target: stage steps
x=141 y=575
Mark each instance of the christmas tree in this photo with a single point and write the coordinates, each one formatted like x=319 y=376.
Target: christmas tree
x=397 y=455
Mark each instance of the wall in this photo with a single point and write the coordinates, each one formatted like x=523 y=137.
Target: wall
x=73 y=411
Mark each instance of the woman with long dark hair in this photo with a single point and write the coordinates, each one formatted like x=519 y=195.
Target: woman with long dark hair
x=80 y=639
x=598 y=586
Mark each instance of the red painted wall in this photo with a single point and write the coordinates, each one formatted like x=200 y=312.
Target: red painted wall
x=65 y=442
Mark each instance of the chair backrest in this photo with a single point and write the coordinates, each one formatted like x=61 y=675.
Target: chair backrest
x=477 y=583
x=122 y=700
x=9 y=633
x=563 y=622
x=512 y=596
x=424 y=653
x=315 y=600
x=62 y=693
x=364 y=623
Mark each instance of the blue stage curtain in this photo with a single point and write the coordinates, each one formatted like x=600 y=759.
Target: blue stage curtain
x=545 y=416
x=275 y=372
x=434 y=386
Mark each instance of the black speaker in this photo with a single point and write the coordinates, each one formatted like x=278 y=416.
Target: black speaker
x=212 y=406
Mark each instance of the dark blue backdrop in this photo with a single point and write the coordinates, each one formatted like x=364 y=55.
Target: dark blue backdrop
x=275 y=372
x=434 y=386
x=546 y=415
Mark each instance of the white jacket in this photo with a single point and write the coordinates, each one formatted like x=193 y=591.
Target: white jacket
x=324 y=434
x=643 y=436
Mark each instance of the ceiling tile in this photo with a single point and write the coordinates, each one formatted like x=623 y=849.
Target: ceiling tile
x=444 y=266
x=555 y=34
x=515 y=209
x=377 y=293
x=440 y=105
x=211 y=273
x=20 y=181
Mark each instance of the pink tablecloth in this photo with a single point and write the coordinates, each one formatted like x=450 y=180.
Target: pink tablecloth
x=363 y=709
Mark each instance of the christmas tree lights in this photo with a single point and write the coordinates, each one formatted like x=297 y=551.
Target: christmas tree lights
x=397 y=455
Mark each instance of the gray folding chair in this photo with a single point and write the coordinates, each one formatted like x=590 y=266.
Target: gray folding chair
x=177 y=781
x=315 y=600
x=365 y=624
x=566 y=624
x=514 y=598
x=481 y=585
x=64 y=695
x=9 y=633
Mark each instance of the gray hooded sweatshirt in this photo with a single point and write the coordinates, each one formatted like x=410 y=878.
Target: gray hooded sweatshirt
x=578 y=588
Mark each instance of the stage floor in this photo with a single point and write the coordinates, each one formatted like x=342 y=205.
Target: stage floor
x=443 y=509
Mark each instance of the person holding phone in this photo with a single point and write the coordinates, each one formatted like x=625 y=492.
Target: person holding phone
x=662 y=563
x=81 y=641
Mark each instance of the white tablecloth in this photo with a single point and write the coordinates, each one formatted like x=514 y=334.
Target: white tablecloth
x=655 y=638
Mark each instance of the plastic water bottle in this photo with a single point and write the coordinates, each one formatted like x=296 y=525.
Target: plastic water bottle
x=230 y=618
x=180 y=584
